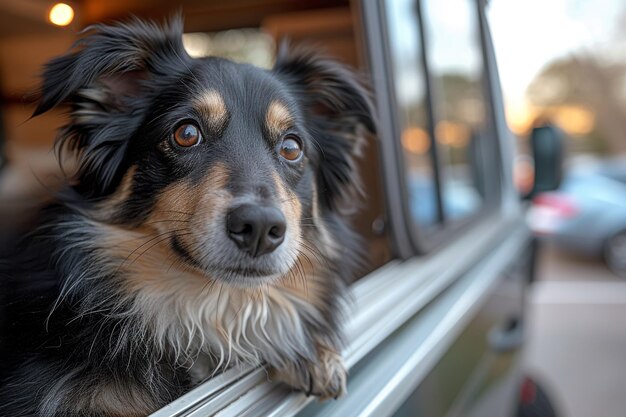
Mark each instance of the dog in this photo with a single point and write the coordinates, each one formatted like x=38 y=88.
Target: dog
x=206 y=227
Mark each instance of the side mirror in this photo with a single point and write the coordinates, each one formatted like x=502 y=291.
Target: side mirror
x=547 y=146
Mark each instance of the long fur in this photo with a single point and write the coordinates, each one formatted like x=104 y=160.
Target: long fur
x=124 y=297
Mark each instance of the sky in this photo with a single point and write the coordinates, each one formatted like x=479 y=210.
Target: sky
x=528 y=34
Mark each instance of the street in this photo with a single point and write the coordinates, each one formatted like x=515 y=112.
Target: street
x=577 y=336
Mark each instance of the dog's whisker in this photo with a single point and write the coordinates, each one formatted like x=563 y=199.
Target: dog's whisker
x=316 y=254
x=176 y=211
x=166 y=221
x=167 y=234
x=156 y=243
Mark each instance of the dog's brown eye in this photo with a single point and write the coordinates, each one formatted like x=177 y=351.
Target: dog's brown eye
x=290 y=148
x=187 y=135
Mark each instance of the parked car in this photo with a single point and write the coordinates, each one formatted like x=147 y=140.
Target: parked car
x=587 y=215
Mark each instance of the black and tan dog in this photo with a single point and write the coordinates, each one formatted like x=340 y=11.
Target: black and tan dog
x=202 y=231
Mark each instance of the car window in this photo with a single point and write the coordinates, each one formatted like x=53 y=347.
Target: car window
x=442 y=111
x=460 y=102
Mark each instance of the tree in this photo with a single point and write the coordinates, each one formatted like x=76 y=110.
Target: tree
x=587 y=80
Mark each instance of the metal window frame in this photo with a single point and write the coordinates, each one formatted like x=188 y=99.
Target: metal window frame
x=510 y=197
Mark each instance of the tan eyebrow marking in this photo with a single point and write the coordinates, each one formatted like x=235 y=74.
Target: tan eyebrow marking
x=211 y=105
x=278 y=118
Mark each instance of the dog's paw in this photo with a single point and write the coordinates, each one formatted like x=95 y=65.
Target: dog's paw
x=325 y=378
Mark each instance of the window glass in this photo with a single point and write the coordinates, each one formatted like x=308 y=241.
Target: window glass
x=410 y=93
x=455 y=63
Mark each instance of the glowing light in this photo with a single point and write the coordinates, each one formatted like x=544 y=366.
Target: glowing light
x=520 y=117
x=61 y=14
x=452 y=134
x=197 y=44
x=415 y=140
x=575 y=120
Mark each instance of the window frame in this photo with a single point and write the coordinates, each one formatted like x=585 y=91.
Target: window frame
x=419 y=240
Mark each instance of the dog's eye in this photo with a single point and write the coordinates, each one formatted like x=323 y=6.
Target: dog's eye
x=187 y=135
x=290 y=148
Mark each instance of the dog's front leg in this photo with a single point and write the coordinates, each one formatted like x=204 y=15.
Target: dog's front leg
x=325 y=376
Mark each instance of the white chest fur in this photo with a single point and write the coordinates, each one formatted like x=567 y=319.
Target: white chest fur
x=221 y=326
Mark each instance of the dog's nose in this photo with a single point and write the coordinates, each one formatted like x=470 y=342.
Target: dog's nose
x=257 y=230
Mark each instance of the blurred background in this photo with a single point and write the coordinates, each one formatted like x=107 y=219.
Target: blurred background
x=564 y=62
x=561 y=62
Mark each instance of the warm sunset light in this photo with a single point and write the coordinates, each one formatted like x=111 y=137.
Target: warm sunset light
x=520 y=117
x=574 y=120
x=61 y=14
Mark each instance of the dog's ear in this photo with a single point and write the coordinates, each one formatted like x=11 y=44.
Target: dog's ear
x=338 y=110
x=101 y=78
x=124 y=48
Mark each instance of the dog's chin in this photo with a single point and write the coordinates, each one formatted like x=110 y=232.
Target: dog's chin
x=245 y=278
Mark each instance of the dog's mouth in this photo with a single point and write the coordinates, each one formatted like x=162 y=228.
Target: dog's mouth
x=249 y=272
x=243 y=277
x=248 y=275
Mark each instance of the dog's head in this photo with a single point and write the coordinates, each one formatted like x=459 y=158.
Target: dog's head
x=230 y=166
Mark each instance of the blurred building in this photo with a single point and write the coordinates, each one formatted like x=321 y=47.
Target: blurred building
x=239 y=29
